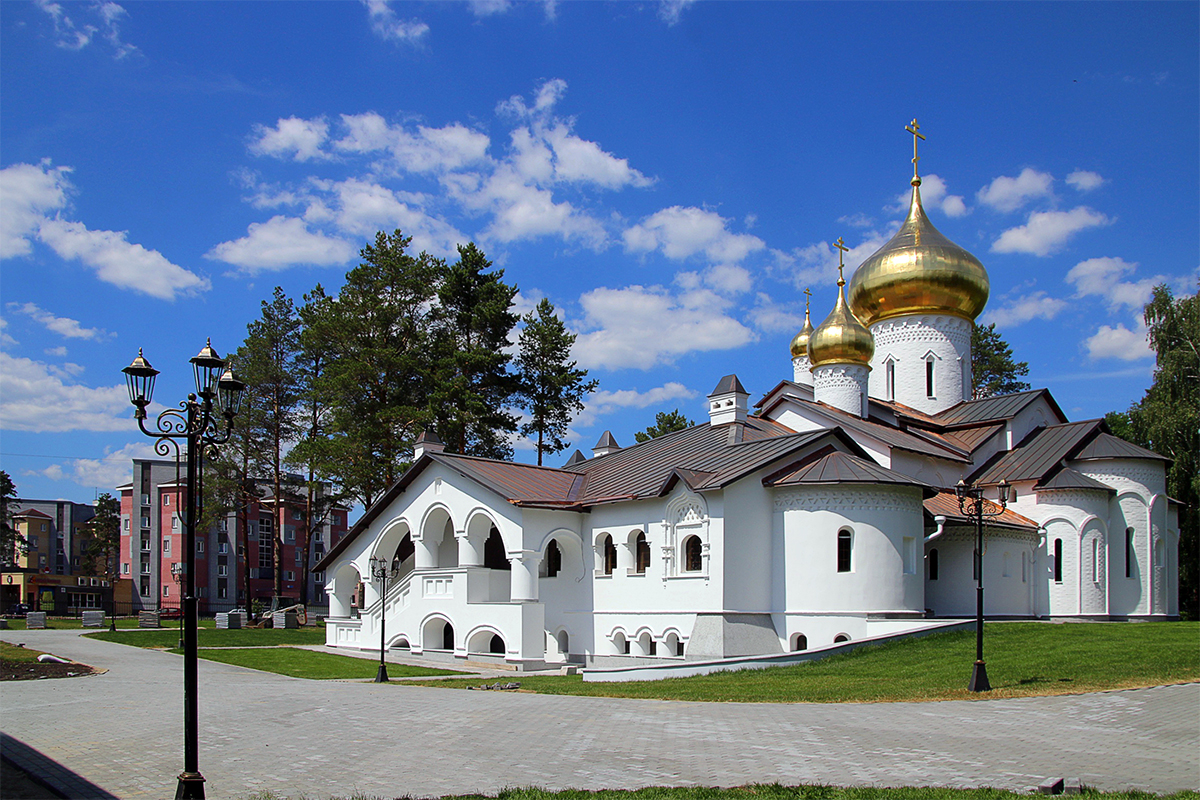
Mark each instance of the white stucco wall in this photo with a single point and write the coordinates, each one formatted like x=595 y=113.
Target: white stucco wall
x=843 y=386
x=909 y=341
x=1008 y=573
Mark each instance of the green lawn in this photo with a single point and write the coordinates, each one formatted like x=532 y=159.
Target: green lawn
x=766 y=792
x=1023 y=658
x=69 y=624
x=19 y=655
x=312 y=664
x=211 y=637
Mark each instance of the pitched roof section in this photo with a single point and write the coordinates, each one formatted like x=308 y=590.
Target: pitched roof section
x=1067 y=478
x=522 y=484
x=1002 y=407
x=945 y=504
x=607 y=440
x=1108 y=446
x=576 y=458
x=1042 y=451
x=729 y=383
x=32 y=512
x=970 y=439
x=916 y=441
x=839 y=467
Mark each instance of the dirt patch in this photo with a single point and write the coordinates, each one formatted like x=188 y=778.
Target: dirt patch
x=36 y=670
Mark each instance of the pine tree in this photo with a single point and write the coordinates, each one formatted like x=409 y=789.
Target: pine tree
x=12 y=544
x=552 y=388
x=472 y=389
x=993 y=370
x=664 y=422
x=102 y=550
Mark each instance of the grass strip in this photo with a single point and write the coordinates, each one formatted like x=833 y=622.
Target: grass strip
x=761 y=792
x=211 y=637
x=18 y=655
x=1023 y=659
x=312 y=664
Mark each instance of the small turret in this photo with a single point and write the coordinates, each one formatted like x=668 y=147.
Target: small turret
x=427 y=442
x=729 y=402
x=606 y=445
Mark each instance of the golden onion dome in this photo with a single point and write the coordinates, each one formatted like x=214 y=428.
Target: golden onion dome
x=800 y=341
x=841 y=338
x=919 y=271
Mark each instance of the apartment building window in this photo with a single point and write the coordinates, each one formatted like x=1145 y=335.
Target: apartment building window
x=264 y=526
x=174 y=523
x=296 y=514
x=289 y=534
x=124 y=567
x=264 y=554
x=318 y=537
x=145 y=522
x=145 y=499
x=318 y=577
x=288 y=575
x=199 y=545
x=166 y=546
x=166 y=591
x=299 y=555
x=222 y=591
x=145 y=567
x=145 y=544
x=75 y=561
x=33 y=542
x=222 y=547
x=144 y=587
x=222 y=570
x=41 y=559
x=166 y=499
x=125 y=523
x=223 y=525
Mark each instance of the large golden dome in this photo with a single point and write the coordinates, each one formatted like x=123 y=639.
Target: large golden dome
x=841 y=338
x=800 y=341
x=919 y=271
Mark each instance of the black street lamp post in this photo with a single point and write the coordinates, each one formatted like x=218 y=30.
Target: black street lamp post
x=201 y=422
x=177 y=571
x=972 y=504
x=382 y=571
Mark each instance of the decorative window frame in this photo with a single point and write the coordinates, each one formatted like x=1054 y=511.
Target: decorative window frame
x=686 y=515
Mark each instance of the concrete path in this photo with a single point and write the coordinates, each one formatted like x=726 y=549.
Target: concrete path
x=123 y=731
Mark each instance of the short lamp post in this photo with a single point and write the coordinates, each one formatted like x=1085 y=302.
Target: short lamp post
x=177 y=572
x=383 y=571
x=200 y=423
x=973 y=505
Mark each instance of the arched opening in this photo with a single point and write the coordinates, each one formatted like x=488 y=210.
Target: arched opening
x=342 y=592
x=496 y=645
x=933 y=564
x=620 y=644
x=438 y=634
x=799 y=642
x=553 y=559
x=646 y=644
x=641 y=549
x=495 y=555
x=1129 y=556
x=564 y=642
x=438 y=547
x=610 y=554
x=405 y=555
x=672 y=645
x=448 y=637
x=840 y=638
x=692 y=554
x=401 y=644
x=845 y=549
x=1058 y=560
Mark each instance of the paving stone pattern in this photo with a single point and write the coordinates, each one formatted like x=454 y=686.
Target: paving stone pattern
x=123 y=731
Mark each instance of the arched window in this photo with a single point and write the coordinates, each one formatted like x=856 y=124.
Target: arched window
x=495 y=556
x=1129 y=556
x=610 y=555
x=642 y=560
x=841 y=637
x=933 y=564
x=564 y=642
x=692 y=554
x=1096 y=560
x=553 y=559
x=1058 y=559
x=929 y=377
x=845 y=546
x=448 y=637
x=496 y=647
x=891 y=379
x=799 y=642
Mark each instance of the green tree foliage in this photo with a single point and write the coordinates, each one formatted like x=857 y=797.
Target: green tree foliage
x=103 y=548
x=552 y=388
x=12 y=544
x=664 y=422
x=1167 y=421
x=472 y=389
x=993 y=370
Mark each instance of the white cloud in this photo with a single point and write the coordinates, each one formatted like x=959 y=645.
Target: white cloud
x=771 y=317
x=604 y=402
x=486 y=8
x=1009 y=194
x=5 y=338
x=105 y=16
x=933 y=195
x=112 y=470
x=642 y=327
x=1119 y=342
x=728 y=278
x=58 y=352
x=1084 y=181
x=422 y=149
x=63 y=326
x=362 y=208
x=27 y=194
x=1102 y=277
x=1037 y=305
x=669 y=11
x=520 y=211
x=815 y=265
x=40 y=398
x=580 y=161
x=682 y=232
x=389 y=27
x=1047 y=232
x=279 y=243
x=293 y=137
x=860 y=220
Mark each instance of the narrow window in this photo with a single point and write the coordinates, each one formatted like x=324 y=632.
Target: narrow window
x=1024 y=566
x=653 y=647
x=933 y=564
x=910 y=555
x=626 y=647
x=679 y=648
x=1058 y=559
x=929 y=378
x=448 y=637
x=1095 y=560
x=845 y=542
x=643 y=554
x=610 y=555
x=692 y=561
x=553 y=559
x=1129 y=552
x=891 y=380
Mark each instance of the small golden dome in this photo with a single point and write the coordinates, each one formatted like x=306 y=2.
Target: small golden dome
x=841 y=338
x=800 y=342
x=919 y=271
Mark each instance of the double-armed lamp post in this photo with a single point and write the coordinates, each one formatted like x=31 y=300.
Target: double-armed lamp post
x=383 y=571
x=972 y=504
x=200 y=423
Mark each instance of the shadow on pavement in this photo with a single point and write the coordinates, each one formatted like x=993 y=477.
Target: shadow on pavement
x=31 y=775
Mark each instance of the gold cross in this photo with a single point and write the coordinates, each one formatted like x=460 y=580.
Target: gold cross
x=807 y=297
x=842 y=249
x=915 y=129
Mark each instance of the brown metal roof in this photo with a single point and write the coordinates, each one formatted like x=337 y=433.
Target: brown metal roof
x=945 y=504
x=839 y=467
x=32 y=512
x=923 y=442
x=1042 y=451
x=970 y=439
x=1005 y=406
x=1108 y=446
x=729 y=383
x=1067 y=478
x=517 y=483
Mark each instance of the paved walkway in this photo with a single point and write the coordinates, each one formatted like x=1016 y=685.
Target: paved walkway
x=122 y=731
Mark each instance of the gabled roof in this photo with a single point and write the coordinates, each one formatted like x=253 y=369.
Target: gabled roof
x=837 y=467
x=729 y=383
x=1039 y=453
x=1067 y=478
x=971 y=439
x=576 y=458
x=607 y=440
x=1001 y=407
x=32 y=512
x=945 y=504
x=1107 y=446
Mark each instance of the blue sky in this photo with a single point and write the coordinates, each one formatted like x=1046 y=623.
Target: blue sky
x=669 y=174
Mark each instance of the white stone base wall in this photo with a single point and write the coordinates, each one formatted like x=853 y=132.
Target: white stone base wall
x=842 y=386
x=909 y=342
x=802 y=371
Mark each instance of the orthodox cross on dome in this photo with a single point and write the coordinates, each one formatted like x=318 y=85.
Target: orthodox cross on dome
x=915 y=129
x=807 y=297
x=842 y=250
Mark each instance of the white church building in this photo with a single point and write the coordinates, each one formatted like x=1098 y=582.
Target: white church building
x=826 y=513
